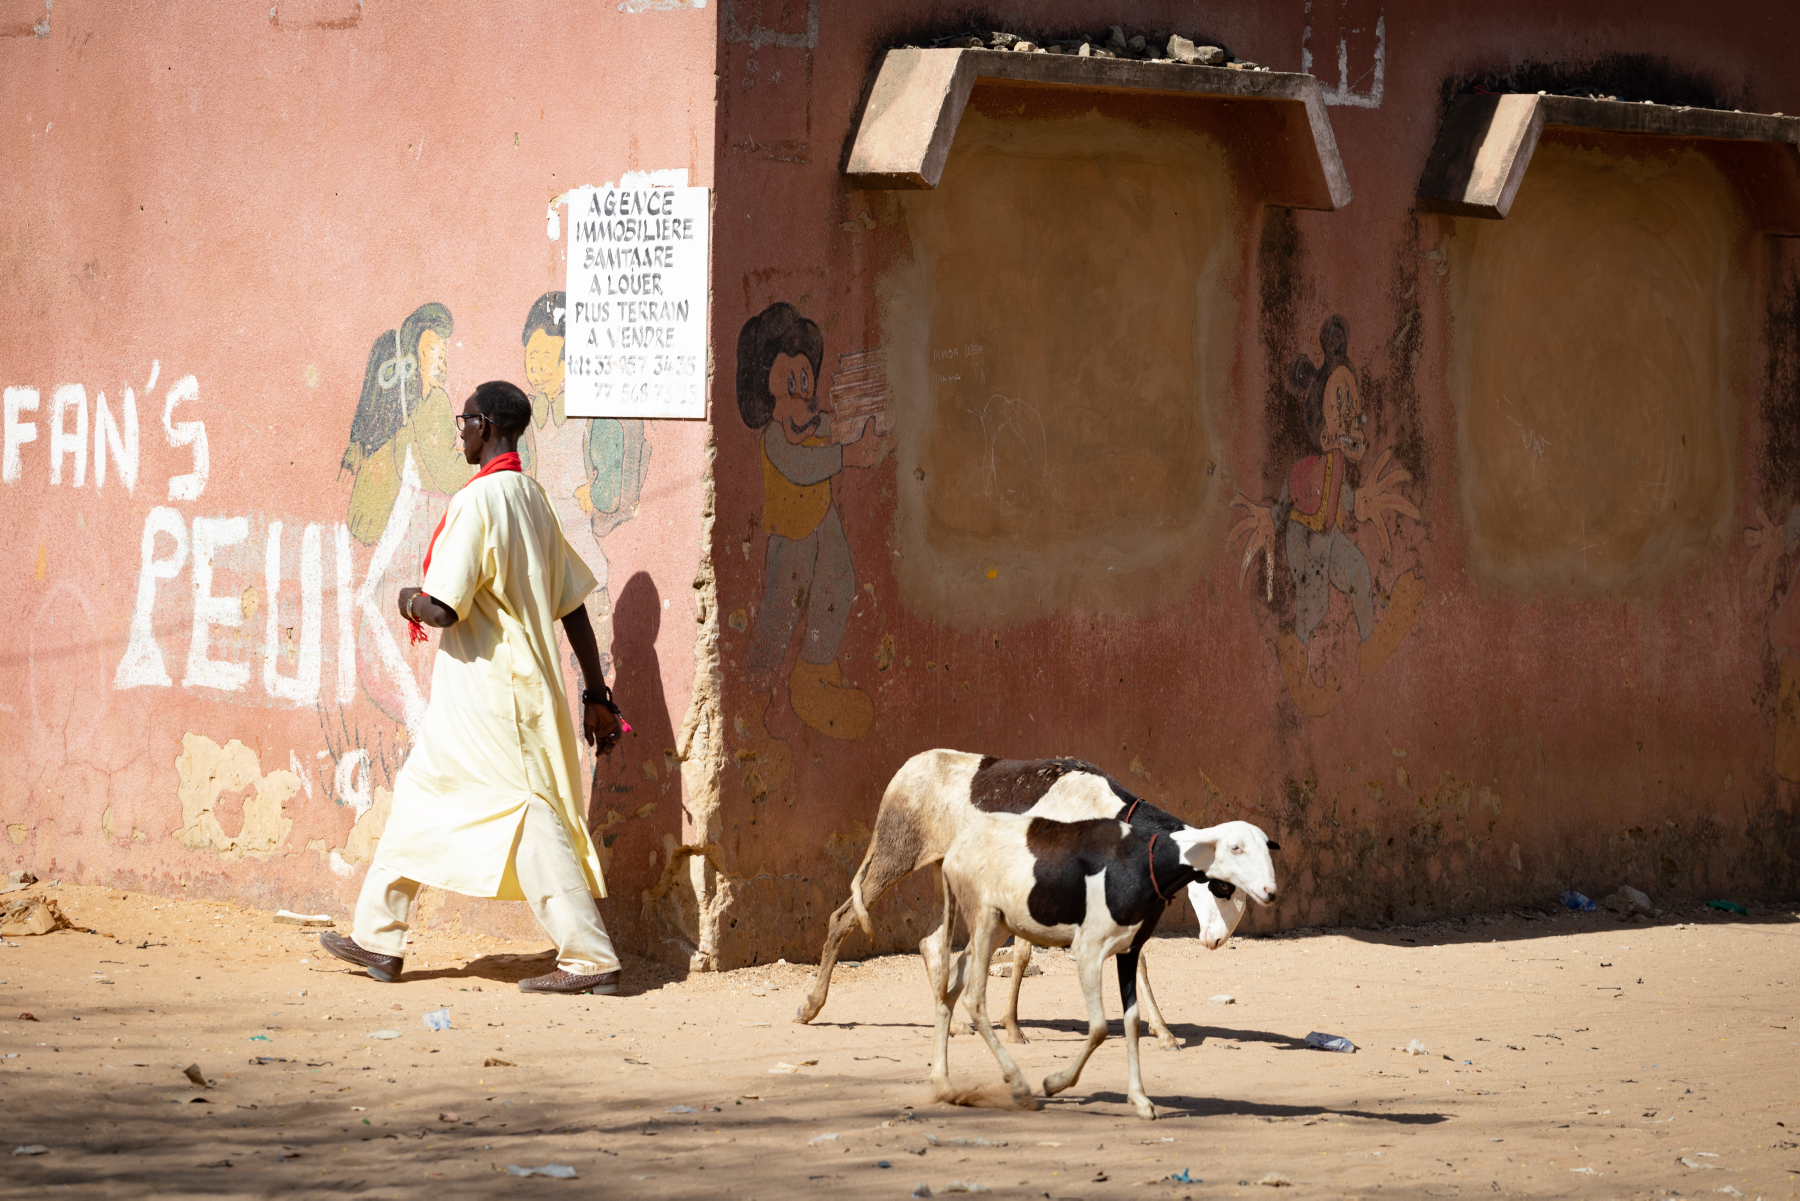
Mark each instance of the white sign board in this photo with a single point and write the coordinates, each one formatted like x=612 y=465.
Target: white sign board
x=636 y=294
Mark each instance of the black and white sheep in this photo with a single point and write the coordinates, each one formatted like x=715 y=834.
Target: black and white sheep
x=936 y=793
x=1098 y=887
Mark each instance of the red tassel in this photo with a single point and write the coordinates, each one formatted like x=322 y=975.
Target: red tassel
x=416 y=634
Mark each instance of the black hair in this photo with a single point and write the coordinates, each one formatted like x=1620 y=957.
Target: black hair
x=546 y=314
x=505 y=406
x=390 y=391
x=777 y=330
x=1309 y=381
x=432 y=316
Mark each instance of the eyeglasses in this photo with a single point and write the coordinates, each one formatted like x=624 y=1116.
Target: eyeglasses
x=463 y=420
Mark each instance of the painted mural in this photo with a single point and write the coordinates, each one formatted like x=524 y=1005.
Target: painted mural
x=809 y=578
x=1314 y=516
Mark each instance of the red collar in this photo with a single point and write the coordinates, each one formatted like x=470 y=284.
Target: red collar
x=506 y=462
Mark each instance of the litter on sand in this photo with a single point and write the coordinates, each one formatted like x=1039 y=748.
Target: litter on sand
x=1415 y=1047
x=935 y=1141
x=823 y=1138
x=920 y=1189
x=560 y=1171
x=1329 y=1042
x=783 y=1068
x=27 y=918
x=31 y=1149
x=1182 y=1177
x=684 y=1109
x=288 y=917
x=965 y=1186
x=438 y=1019
x=1223 y=999
x=491 y=1062
x=385 y=1034
x=1275 y=1180
x=1723 y=906
x=1575 y=900
x=192 y=1072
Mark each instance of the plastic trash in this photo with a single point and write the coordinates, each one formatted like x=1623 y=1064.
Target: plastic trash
x=1222 y=999
x=192 y=1072
x=1575 y=900
x=1729 y=907
x=965 y=1186
x=684 y=1109
x=1329 y=1042
x=438 y=1019
x=39 y=1149
x=385 y=1034
x=882 y=1163
x=1275 y=1180
x=259 y=1038
x=1415 y=1047
x=1182 y=1177
x=288 y=917
x=560 y=1171
x=920 y=1189
x=819 y=1140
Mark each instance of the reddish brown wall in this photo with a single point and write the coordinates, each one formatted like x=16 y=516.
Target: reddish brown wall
x=1520 y=720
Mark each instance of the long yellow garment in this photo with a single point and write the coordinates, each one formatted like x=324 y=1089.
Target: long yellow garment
x=497 y=729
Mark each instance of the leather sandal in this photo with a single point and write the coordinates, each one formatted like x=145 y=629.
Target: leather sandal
x=560 y=981
x=385 y=968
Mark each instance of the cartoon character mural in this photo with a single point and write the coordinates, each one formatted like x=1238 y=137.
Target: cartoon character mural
x=1316 y=500
x=600 y=485
x=405 y=406
x=808 y=567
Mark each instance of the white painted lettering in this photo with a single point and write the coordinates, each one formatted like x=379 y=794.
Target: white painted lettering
x=304 y=686
x=372 y=606
x=18 y=433
x=62 y=442
x=142 y=664
x=186 y=433
x=346 y=615
x=211 y=533
x=124 y=445
x=351 y=789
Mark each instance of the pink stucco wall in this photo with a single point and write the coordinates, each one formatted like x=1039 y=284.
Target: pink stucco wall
x=253 y=199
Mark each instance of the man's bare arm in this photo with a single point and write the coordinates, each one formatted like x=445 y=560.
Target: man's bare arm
x=417 y=605
x=599 y=726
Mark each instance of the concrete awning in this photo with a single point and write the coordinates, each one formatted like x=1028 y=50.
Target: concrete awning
x=1486 y=143
x=919 y=97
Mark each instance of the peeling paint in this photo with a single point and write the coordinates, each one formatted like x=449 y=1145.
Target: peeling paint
x=207 y=774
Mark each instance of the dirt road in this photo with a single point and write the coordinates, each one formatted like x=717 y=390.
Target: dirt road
x=1579 y=1056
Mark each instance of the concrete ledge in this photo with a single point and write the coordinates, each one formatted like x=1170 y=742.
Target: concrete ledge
x=1485 y=145
x=919 y=97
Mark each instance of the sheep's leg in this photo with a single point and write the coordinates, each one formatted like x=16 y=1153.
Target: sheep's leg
x=1088 y=963
x=985 y=935
x=1165 y=1037
x=947 y=985
x=1021 y=960
x=878 y=873
x=1129 y=962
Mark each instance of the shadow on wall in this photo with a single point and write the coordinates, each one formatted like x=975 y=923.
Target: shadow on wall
x=635 y=804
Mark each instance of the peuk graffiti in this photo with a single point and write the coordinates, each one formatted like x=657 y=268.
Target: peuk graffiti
x=807 y=569
x=1316 y=500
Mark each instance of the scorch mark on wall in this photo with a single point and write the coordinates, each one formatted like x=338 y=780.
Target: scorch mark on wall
x=1322 y=558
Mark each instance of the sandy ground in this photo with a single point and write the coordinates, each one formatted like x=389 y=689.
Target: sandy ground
x=1580 y=1056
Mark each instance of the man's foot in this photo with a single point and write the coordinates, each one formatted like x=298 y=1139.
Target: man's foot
x=559 y=981
x=385 y=968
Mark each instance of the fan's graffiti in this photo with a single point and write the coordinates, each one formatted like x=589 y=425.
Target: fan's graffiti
x=1316 y=501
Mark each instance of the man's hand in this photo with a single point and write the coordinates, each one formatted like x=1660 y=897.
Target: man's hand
x=600 y=727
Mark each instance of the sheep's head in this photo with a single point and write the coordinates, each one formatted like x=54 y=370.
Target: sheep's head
x=1233 y=852
x=1218 y=914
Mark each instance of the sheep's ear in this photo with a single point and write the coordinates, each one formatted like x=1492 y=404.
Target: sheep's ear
x=1273 y=845
x=1197 y=846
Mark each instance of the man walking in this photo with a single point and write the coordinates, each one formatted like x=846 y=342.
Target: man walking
x=489 y=802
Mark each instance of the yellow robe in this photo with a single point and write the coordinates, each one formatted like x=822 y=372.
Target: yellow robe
x=497 y=729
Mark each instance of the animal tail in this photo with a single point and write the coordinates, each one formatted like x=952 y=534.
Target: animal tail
x=856 y=901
